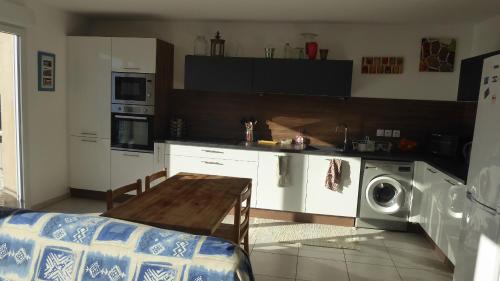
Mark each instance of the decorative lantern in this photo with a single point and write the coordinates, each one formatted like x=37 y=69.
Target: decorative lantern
x=217 y=45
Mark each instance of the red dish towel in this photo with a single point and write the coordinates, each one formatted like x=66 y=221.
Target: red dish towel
x=334 y=175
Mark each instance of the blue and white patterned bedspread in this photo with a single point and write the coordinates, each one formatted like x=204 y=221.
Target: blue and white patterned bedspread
x=60 y=247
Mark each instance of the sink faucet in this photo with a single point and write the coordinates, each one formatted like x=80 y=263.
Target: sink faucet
x=345 y=128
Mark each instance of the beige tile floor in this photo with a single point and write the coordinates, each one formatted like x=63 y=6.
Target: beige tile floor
x=379 y=255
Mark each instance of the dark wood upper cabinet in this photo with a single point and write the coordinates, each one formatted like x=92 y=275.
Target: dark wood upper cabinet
x=218 y=74
x=470 y=77
x=287 y=76
x=303 y=77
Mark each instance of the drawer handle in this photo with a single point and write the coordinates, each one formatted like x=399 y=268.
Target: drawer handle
x=450 y=182
x=87 y=133
x=88 y=140
x=132 y=68
x=212 y=163
x=212 y=151
x=431 y=170
x=131 y=155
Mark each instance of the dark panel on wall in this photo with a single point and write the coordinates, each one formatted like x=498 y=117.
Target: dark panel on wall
x=303 y=77
x=218 y=74
x=216 y=115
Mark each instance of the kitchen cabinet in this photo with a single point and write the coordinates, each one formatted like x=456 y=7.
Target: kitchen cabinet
x=89 y=163
x=256 y=75
x=212 y=152
x=159 y=156
x=291 y=196
x=469 y=83
x=219 y=167
x=128 y=166
x=89 y=86
x=441 y=208
x=419 y=187
x=450 y=202
x=134 y=54
x=303 y=77
x=321 y=200
x=218 y=74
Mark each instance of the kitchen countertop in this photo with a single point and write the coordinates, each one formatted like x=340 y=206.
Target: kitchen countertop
x=452 y=167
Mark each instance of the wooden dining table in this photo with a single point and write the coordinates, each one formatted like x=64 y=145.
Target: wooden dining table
x=192 y=203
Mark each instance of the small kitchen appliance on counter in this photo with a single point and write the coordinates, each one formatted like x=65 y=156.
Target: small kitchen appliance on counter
x=444 y=145
x=385 y=195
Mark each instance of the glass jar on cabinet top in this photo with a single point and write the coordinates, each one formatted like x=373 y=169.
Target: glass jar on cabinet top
x=200 y=46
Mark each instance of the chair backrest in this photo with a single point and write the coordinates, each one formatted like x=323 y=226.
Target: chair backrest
x=158 y=175
x=243 y=210
x=111 y=195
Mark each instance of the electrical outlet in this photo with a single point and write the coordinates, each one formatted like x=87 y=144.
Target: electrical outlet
x=396 y=133
x=380 y=132
x=388 y=133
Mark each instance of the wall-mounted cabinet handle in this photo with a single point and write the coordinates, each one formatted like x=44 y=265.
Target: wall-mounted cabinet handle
x=431 y=170
x=212 y=151
x=84 y=140
x=131 y=155
x=212 y=163
x=130 y=117
x=450 y=182
x=89 y=134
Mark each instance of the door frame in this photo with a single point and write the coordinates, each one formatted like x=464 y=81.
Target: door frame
x=20 y=81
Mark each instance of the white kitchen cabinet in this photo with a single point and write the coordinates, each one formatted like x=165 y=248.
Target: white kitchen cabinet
x=450 y=199
x=441 y=207
x=134 y=55
x=212 y=152
x=428 y=213
x=89 y=163
x=290 y=197
x=159 y=156
x=127 y=167
x=220 y=167
x=89 y=86
x=419 y=187
x=321 y=200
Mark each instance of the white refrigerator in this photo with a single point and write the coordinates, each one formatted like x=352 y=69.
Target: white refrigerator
x=478 y=257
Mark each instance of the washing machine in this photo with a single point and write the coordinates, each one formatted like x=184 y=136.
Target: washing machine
x=385 y=196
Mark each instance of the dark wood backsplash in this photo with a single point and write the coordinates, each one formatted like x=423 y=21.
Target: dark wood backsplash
x=218 y=115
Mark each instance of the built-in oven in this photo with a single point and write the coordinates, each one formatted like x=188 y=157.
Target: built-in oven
x=132 y=127
x=133 y=88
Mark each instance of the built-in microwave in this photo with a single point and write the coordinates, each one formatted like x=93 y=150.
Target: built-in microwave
x=133 y=88
x=132 y=127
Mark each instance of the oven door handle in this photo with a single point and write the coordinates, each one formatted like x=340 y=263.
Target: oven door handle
x=130 y=117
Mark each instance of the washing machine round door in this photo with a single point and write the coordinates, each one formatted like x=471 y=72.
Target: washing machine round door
x=385 y=195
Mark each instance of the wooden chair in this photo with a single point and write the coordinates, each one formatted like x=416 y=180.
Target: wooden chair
x=239 y=231
x=111 y=195
x=151 y=178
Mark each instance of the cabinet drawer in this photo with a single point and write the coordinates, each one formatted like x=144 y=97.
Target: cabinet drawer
x=127 y=167
x=209 y=166
x=210 y=152
x=321 y=200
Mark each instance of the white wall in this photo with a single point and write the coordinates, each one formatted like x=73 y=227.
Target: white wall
x=44 y=113
x=486 y=36
x=345 y=41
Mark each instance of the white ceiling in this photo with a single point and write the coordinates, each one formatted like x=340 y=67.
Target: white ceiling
x=348 y=11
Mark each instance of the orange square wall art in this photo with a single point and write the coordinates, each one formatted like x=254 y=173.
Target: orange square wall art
x=382 y=65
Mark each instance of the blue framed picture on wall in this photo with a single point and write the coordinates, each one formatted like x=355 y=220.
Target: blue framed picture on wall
x=46 y=72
